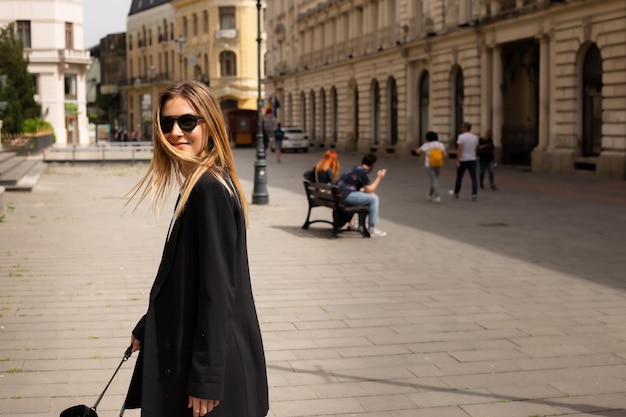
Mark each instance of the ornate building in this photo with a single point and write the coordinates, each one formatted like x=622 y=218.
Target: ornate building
x=52 y=34
x=547 y=76
x=171 y=40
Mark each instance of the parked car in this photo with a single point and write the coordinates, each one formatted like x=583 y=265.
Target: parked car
x=295 y=139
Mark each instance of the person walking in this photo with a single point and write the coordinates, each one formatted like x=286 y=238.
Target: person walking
x=435 y=152
x=467 y=143
x=279 y=134
x=200 y=346
x=358 y=190
x=326 y=170
x=486 y=159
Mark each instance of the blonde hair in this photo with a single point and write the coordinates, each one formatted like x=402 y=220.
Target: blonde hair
x=488 y=134
x=329 y=160
x=170 y=165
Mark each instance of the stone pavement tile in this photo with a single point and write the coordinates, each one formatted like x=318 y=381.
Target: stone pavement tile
x=598 y=384
x=593 y=404
x=402 y=386
x=569 y=360
x=385 y=403
x=367 y=351
x=292 y=393
x=320 y=353
x=28 y=406
x=445 y=397
x=526 y=392
x=510 y=409
x=340 y=390
x=433 y=412
x=372 y=373
x=328 y=406
x=492 y=355
x=588 y=377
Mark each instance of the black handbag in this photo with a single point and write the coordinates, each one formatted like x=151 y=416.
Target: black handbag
x=86 y=411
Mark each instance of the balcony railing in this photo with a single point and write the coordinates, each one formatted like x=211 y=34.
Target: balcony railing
x=226 y=34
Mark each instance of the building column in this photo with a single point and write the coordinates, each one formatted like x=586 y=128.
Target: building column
x=496 y=97
x=544 y=92
x=485 y=88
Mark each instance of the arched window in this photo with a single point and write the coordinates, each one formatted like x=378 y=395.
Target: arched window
x=424 y=105
x=289 y=110
x=303 y=111
x=206 y=68
x=458 y=96
x=592 y=102
x=355 y=115
x=185 y=29
x=171 y=31
x=375 y=115
x=392 y=99
x=165 y=38
x=313 y=116
x=333 y=113
x=228 y=64
x=323 y=113
x=195 y=24
x=205 y=21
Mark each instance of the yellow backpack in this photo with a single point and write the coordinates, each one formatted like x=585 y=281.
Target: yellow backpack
x=435 y=157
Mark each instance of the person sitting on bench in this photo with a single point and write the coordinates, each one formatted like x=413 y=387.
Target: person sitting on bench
x=358 y=190
x=326 y=170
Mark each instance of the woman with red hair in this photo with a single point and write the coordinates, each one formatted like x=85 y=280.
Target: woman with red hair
x=326 y=171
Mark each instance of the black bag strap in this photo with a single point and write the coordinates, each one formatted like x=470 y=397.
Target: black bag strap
x=127 y=354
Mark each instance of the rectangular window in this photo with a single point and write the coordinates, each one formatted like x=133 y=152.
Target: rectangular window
x=70 y=87
x=23 y=32
x=35 y=78
x=227 y=18
x=69 y=35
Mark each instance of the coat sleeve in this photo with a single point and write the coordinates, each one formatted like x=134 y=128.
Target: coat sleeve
x=140 y=328
x=213 y=213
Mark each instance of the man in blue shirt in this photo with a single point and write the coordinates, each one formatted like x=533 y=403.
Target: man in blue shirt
x=279 y=134
x=357 y=190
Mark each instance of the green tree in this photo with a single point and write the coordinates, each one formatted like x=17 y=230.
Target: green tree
x=19 y=90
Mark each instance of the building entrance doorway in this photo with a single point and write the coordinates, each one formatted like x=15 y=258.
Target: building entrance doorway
x=520 y=99
x=71 y=127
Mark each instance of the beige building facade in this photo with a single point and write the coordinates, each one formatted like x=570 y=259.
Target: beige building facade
x=212 y=41
x=547 y=77
x=52 y=34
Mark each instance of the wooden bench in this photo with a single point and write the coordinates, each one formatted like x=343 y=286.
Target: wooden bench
x=327 y=195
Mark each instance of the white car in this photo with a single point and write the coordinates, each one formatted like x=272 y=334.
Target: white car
x=295 y=139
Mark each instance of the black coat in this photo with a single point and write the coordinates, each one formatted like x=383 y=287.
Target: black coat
x=201 y=334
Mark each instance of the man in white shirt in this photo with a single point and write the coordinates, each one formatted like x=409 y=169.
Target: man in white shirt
x=467 y=143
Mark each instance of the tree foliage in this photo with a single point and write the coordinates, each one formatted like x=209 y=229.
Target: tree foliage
x=18 y=90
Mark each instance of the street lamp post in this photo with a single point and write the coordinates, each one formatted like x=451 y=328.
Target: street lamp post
x=181 y=40
x=137 y=84
x=259 y=195
x=152 y=71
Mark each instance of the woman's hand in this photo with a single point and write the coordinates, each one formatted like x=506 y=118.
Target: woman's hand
x=135 y=343
x=201 y=407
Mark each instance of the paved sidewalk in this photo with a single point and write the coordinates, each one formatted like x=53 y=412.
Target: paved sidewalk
x=512 y=306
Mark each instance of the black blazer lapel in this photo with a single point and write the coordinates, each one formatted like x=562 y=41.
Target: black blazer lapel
x=167 y=260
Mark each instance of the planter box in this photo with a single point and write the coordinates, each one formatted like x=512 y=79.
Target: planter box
x=27 y=143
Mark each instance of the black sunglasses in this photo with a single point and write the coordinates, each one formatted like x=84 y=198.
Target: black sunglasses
x=186 y=122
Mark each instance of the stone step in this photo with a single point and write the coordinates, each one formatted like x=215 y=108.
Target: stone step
x=8 y=161
x=20 y=167
x=30 y=178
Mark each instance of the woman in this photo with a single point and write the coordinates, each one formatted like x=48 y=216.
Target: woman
x=486 y=157
x=326 y=171
x=200 y=343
